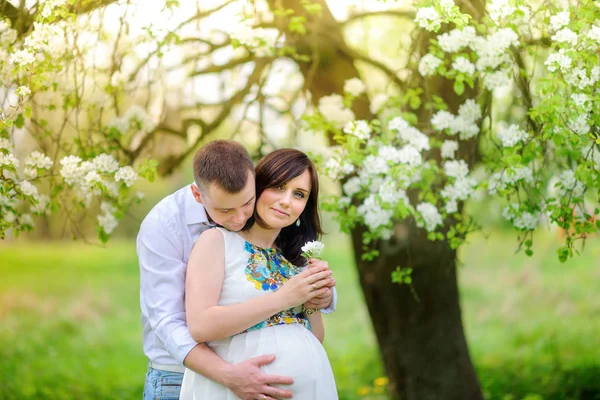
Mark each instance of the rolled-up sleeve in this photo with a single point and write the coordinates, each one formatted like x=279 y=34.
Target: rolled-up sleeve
x=332 y=305
x=162 y=283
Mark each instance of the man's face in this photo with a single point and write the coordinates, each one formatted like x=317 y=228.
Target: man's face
x=231 y=211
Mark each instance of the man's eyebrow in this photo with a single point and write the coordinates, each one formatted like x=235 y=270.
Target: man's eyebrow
x=228 y=209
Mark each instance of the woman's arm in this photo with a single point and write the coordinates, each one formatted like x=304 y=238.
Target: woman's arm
x=204 y=279
x=316 y=325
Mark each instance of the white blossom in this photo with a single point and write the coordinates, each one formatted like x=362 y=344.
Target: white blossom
x=41 y=206
x=313 y=249
x=26 y=219
x=8 y=160
x=496 y=79
x=456 y=39
x=70 y=170
x=28 y=189
x=127 y=175
x=5 y=144
x=359 y=128
x=580 y=125
x=447 y=5
x=38 y=160
x=373 y=214
x=449 y=147
x=456 y=169
x=465 y=127
x=570 y=185
x=559 y=20
x=410 y=156
x=558 y=60
x=105 y=163
x=460 y=189
x=107 y=222
x=374 y=165
x=451 y=206
x=428 y=18
x=414 y=137
x=391 y=194
x=30 y=173
x=23 y=91
x=594 y=34
x=565 y=35
x=499 y=10
x=337 y=168
x=512 y=135
x=580 y=100
x=333 y=109
x=470 y=110
x=461 y=64
x=352 y=186
x=431 y=217
x=526 y=221
x=442 y=120
x=22 y=57
x=428 y=65
x=344 y=202
x=355 y=87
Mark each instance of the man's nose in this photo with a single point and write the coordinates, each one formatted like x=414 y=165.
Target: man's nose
x=239 y=217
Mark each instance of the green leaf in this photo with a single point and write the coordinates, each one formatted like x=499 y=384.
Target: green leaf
x=20 y=121
x=459 y=87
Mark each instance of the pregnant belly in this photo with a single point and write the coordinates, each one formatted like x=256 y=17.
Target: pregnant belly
x=298 y=353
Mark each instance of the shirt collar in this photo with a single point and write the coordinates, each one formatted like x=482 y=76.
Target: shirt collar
x=194 y=211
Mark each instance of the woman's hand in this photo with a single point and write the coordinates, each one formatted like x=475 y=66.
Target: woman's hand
x=324 y=300
x=312 y=282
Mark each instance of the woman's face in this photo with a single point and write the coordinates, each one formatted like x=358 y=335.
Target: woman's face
x=281 y=206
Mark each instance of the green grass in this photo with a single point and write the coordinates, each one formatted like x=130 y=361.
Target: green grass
x=69 y=321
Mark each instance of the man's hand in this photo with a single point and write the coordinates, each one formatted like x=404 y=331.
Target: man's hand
x=247 y=381
x=324 y=300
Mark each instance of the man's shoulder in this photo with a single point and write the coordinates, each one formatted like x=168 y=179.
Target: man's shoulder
x=168 y=211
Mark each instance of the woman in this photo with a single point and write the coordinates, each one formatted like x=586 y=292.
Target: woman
x=235 y=297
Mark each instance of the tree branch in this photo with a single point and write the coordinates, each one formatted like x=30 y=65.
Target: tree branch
x=377 y=64
x=410 y=14
x=220 y=68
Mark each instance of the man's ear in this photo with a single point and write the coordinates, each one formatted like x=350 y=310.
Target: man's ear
x=196 y=193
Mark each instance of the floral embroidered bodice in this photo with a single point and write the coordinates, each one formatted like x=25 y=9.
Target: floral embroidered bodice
x=268 y=270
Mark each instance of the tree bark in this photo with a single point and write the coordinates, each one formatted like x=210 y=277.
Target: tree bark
x=422 y=340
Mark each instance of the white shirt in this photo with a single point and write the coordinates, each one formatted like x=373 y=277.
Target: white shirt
x=164 y=243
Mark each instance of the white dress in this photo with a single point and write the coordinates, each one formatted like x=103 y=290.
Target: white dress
x=251 y=271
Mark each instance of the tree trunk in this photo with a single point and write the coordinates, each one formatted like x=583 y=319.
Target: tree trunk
x=422 y=340
x=419 y=330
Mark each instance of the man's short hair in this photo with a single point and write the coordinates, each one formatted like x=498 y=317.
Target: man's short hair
x=223 y=162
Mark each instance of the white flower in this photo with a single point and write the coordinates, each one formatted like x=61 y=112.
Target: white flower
x=352 y=186
x=466 y=128
x=461 y=64
x=461 y=189
x=92 y=178
x=526 y=221
x=26 y=219
x=451 y=206
x=565 y=35
x=410 y=156
x=359 y=128
x=558 y=60
x=391 y=194
x=127 y=175
x=9 y=160
x=30 y=173
x=580 y=101
x=9 y=217
x=355 y=87
x=428 y=65
x=415 y=138
x=5 y=144
x=496 y=79
x=456 y=39
x=512 y=135
x=500 y=9
x=313 y=249
x=38 y=160
x=333 y=109
x=22 y=57
x=398 y=124
x=377 y=103
x=594 y=34
x=447 y=5
x=470 y=110
x=373 y=214
x=344 y=202
x=23 y=91
x=448 y=148
x=42 y=205
x=105 y=163
x=559 y=20
x=336 y=168
x=580 y=125
x=70 y=169
x=374 y=165
x=442 y=120
x=28 y=189
x=107 y=222
x=428 y=18
x=456 y=169
x=570 y=185
x=431 y=218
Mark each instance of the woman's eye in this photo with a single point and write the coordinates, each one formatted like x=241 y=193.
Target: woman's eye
x=299 y=195
x=280 y=188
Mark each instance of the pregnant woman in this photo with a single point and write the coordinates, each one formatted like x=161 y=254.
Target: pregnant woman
x=234 y=296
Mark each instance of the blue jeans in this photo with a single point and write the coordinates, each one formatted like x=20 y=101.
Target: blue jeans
x=162 y=385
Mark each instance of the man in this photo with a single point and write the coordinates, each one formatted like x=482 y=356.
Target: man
x=223 y=194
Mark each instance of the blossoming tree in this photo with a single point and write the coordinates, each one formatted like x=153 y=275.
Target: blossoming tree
x=407 y=157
